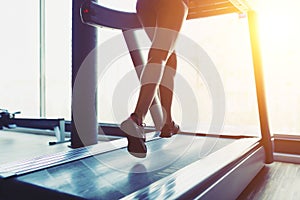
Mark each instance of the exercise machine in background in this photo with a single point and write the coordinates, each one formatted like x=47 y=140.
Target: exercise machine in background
x=56 y=126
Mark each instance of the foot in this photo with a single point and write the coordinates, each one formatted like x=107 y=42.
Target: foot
x=135 y=135
x=169 y=130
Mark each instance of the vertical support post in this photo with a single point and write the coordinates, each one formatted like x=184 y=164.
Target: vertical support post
x=42 y=61
x=84 y=131
x=260 y=88
x=62 y=135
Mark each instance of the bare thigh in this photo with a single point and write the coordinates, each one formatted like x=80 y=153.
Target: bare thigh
x=162 y=21
x=146 y=13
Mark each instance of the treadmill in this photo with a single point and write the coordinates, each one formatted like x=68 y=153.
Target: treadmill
x=186 y=166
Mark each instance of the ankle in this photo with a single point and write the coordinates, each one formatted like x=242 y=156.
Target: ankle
x=168 y=122
x=138 y=120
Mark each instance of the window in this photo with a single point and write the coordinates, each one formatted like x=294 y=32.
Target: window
x=280 y=48
x=58 y=33
x=224 y=38
x=19 y=52
x=226 y=41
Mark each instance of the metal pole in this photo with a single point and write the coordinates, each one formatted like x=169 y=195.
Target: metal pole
x=84 y=130
x=42 y=60
x=260 y=88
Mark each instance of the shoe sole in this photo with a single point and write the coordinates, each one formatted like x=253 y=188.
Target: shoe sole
x=168 y=134
x=136 y=142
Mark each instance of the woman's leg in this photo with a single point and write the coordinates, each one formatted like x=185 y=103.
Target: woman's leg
x=166 y=87
x=169 y=18
x=146 y=14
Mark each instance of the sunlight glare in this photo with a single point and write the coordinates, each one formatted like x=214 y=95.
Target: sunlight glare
x=279 y=30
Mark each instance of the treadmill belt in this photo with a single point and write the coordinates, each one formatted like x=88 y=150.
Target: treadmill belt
x=115 y=174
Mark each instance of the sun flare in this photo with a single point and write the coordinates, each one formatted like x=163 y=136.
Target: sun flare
x=279 y=30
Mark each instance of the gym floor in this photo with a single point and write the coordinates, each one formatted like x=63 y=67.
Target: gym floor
x=276 y=181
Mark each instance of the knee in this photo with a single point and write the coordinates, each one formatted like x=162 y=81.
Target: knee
x=152 y=73
x=172 y=61
x=154 y=69
x=157 y=56
x=170 y=67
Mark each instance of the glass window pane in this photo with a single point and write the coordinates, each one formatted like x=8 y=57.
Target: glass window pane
x=58 y=25
x=226 y=41
x=19 y=53
x=109 y=79
x=280 y=48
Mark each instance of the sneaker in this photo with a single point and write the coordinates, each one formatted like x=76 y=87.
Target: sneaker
x=169 y=130
x=135 y=135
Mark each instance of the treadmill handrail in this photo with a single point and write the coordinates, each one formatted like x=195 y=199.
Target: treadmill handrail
x=107 y=17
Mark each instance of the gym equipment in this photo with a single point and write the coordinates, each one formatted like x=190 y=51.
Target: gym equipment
x=6 y=117
x=10 y=121
x=172 y=170
x=106 y=171
x=56 y=125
